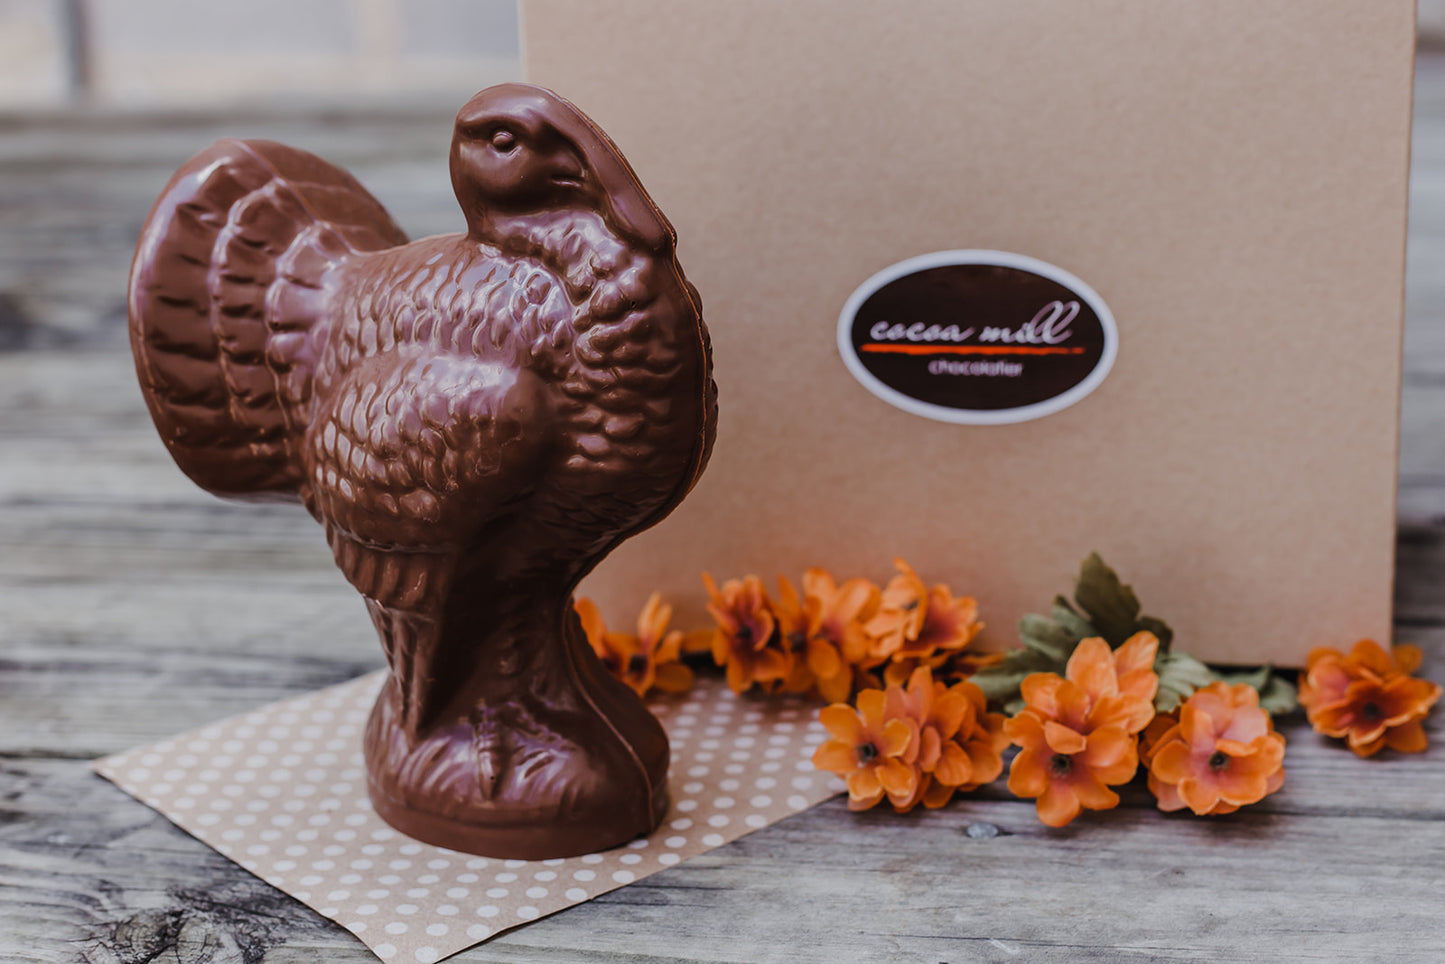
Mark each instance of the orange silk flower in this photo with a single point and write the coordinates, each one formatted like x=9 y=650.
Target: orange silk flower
x=1368 y=697
x=644 y=661
x=745 y=625
x=836 y=616
x=1221 y=754
x=1076 y=733
x=960 y=745
x=873 y=748
x=816 y=662
x=917 y=626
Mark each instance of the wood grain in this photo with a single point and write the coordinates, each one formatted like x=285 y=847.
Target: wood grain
x=135 y=606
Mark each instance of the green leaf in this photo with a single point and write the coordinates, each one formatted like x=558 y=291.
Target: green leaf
x=1179 y=675
x=1000 y=682
x=1067 y=617
x=1042 y=634
x=1111 y=606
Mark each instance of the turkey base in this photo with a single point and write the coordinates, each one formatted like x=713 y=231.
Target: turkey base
x=537 y=753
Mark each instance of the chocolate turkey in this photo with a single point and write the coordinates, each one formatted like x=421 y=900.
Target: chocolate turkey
x=476 y=419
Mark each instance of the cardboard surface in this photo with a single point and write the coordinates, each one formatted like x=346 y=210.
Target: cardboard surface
x=1230 y=177
x=282 y=792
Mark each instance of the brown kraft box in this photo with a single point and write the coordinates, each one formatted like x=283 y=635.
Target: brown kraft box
x=1228 y=180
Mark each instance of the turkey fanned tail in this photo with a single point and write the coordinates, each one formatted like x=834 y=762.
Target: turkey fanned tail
x=229 y=279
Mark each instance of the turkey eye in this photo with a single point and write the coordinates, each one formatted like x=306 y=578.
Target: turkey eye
x=504 y=140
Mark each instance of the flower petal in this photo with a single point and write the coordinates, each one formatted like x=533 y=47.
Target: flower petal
x=898 y=778
x=1092 y=667
x=1062 y=739
x=1058 y=805
x=836 y=756
x=840 y=720
x=1408 y=737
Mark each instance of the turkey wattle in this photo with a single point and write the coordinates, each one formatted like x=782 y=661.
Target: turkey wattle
x=476 y=419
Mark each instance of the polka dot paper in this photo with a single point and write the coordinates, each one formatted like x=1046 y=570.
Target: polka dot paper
x=282 y=792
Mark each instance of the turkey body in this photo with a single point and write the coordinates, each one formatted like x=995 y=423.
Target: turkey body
x=476 y=420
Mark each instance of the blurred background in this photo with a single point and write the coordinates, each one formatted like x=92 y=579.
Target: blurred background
x=136 y=54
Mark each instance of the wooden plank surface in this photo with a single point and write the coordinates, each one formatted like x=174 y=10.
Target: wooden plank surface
x=134 y=606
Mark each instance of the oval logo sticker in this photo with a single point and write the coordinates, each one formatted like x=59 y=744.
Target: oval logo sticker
x=977 y=337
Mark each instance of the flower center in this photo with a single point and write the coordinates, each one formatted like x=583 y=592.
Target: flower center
x=1218 y=760
x=1372 y=712
x=637 y=664
x=798 y=641
x=1060 y=764
x=745 y=633
x=867 y=752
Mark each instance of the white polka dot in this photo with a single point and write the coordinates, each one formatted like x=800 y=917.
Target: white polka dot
x=478 y=931
x=693 y=787
x=592 y=859
x=437 y=930
x=385 y=951
x=506 y=878
x=339 y=895
x=686 y=806
x=356 y=927
x=697 y=771
x=583 y=875
x=798 y=802
x=536 y=893
x=761 y=800
x=407 y=909
x=488 y=910
x=623 y=876
x=668 y=859
x=756 y=821
x=802 y=783
x=545 y=875
x=366 y=910
x=527 y=912
x=682 y=824
x=498 y=892
x=427 y=955
x=576 y=893
x=713 y=840
x=448 y=910
x=456 y=893
x=723 y=803
x=396 y=927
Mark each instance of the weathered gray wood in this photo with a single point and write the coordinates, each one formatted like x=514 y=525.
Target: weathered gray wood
x=982 y=880
x=121 y=623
